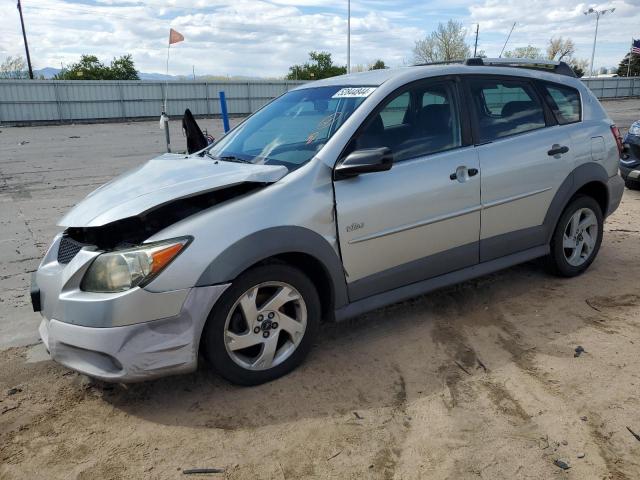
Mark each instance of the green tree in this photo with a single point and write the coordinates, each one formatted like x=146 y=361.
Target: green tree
x=444 y=44
x=90 y=68
x=14 y=67
x=123 y=68
x=624 y=65
x=320 y=65
x=378 y=65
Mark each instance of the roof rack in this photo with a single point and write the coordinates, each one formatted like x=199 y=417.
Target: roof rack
x=561 y=68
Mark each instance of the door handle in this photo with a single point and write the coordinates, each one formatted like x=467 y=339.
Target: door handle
x=557 y=150
x=463 y=173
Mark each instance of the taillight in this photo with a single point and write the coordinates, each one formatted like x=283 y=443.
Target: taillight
x=618 y=137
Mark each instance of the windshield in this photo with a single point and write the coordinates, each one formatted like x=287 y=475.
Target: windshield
x=291 y=129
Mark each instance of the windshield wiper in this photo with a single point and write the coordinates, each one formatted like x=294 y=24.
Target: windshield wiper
x=228 y=158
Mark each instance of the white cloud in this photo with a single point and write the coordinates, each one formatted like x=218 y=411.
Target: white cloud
x=265 y=37
x=539 y=20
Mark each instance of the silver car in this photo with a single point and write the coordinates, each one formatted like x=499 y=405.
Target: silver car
x=342 y=196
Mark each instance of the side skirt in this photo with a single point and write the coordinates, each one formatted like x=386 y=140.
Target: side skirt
x=419 y=288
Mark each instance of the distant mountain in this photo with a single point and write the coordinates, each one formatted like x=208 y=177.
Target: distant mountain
x=47 y=72
x=50 y=72
x=156 y=76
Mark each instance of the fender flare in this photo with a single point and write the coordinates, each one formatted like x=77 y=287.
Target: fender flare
x=274 y=241
x=578 y=178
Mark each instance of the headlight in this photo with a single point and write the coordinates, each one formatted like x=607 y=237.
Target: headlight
x=121 y=270
x=635 y=128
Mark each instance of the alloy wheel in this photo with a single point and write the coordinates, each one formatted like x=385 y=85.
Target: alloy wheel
x=265 y=325
x=580 y=237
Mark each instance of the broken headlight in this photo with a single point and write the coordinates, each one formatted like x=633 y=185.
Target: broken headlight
x=121 y=270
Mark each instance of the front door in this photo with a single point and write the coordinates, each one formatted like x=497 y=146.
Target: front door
x=421 y=218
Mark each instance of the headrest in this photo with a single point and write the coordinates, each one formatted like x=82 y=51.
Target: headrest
x=435 y=118
x=525 y=107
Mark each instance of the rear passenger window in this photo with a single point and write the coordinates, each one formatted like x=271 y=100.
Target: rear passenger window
x=505 y=108
x=565 y=103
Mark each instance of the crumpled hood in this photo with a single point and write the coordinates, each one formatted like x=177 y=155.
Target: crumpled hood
x=165 y=178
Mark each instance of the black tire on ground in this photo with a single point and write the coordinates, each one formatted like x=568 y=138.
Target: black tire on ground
x=556 y=261
x=214 y=331
x=632 y=184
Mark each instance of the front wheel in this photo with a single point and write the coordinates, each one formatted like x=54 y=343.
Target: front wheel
x=577 y=237
x=263 y=325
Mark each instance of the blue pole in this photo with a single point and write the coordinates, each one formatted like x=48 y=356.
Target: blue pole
x=223 y=109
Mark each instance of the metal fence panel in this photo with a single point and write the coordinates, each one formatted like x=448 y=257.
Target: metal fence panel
x=53 y=101
x=616 y=87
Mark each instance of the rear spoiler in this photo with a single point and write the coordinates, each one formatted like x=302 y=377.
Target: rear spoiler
x=561 y=68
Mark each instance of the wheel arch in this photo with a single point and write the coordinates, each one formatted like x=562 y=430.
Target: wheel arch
x=296 y=246
x=589 y=179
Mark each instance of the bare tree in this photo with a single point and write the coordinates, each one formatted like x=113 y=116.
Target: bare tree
x=444 y=44
x=560 y=49
x=14 y=67
x=524 y=52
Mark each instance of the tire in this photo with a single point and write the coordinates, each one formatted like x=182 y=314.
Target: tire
x=569 y=262
x=239 y=340
x=632 y=184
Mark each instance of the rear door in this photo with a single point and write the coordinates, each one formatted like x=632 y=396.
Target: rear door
x=524 y=157
x=419 y=219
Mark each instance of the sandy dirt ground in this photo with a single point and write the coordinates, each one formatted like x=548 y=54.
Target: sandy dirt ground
x=477 y=381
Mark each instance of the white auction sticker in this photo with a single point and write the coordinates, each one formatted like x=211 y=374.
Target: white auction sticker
x=354 y=92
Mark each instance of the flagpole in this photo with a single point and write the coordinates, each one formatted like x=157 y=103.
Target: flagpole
x=164 y=107
x=164 y=117
x=630 y=56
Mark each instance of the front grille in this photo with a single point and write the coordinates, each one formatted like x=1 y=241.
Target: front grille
x=68 y=249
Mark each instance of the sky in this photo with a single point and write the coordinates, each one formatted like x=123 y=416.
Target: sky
x=262 y=38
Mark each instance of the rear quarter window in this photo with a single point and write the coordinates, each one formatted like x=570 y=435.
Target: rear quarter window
x=564 y=102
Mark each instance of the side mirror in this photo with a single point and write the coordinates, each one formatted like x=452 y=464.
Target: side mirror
x=368 y=160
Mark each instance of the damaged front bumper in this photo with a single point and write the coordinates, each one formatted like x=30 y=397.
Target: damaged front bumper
x=118 y=337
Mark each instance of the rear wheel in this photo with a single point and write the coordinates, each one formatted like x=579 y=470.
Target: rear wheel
x=577 y=238
x=263 y=326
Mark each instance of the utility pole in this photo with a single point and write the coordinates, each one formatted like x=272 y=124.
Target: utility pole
x=598 y=14
x=475 y=47
x=26 y=45
x=348 y=36
x=630 y=57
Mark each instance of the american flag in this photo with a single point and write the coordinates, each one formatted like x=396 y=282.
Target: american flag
x=635 y=46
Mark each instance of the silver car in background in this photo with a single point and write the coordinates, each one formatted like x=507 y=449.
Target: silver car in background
x=342 y=196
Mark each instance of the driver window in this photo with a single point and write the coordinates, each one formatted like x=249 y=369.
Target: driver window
x=416 y=122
